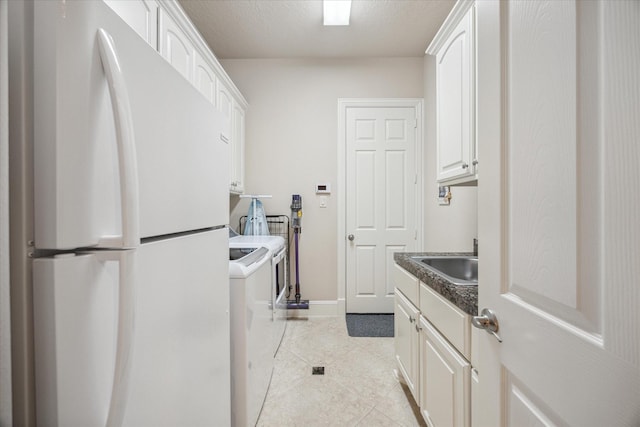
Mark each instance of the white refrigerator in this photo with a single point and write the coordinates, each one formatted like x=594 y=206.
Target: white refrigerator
x=130 y=276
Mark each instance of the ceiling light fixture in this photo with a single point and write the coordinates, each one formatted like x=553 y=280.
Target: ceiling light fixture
x=336 y=12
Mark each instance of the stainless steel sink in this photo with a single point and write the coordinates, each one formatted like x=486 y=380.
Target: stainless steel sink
x=461 y=270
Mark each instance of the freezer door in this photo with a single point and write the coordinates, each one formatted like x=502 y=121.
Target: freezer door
x=181 y=366
x=76 y=302
x=169 y=358
x=180 y=162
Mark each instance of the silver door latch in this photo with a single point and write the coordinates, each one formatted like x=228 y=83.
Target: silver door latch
x=487 y=321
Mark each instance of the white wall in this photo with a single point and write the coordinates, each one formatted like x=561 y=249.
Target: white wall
x=291 y=141
x=446 y=228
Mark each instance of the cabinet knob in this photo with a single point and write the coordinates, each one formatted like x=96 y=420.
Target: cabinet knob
x=351 y=237
x=465 y=165
x=475 y=162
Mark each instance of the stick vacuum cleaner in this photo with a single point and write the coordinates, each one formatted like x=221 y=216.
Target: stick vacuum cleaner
x=296 y=224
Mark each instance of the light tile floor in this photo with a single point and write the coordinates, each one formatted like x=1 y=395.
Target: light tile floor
x=358 y=387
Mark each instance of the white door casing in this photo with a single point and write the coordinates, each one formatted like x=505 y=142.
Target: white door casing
x=379 y=142
x=558 y=108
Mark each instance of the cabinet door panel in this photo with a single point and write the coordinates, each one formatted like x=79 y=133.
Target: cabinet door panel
x=406 y=342
x=455 y=98
x=175 y=46
x=237 y=145
x=141 y=15
x=445 y=381
x=204 y=78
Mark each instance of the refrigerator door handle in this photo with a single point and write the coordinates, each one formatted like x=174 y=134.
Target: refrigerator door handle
x=125 y=334
x=127 y=164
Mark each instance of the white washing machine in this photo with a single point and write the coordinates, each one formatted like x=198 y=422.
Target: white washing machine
x=278 y=283
x=251 y=332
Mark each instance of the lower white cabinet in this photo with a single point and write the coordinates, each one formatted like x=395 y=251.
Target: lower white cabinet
x=432 y=352
x=407 y=342
x=445 y=381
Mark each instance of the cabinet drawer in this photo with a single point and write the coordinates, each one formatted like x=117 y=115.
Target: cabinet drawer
x=407 y=283
x=452 y=322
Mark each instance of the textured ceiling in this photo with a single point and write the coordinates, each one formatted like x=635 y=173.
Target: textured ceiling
x=293 y=28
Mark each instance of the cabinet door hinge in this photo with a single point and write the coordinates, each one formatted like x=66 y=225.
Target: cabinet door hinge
x=415 y=234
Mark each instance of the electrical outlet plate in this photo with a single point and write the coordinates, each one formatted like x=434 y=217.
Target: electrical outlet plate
x=317 y=370
x=444 y=196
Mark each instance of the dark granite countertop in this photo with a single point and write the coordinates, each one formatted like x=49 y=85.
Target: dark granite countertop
x=463 y=297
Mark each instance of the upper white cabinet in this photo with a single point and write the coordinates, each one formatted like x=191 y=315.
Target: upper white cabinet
x=141 y=15
x=167 y=28
x=175 y=46
x=454 y=49
x=224 y=102
x=204 y=78
x=237 y=147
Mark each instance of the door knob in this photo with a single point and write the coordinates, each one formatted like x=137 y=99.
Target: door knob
x=487 y=321
x=351 y=237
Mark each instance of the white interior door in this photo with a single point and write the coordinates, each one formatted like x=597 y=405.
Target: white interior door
x=558 y=212
x=381 y=200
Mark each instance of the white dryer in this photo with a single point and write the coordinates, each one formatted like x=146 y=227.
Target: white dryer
x=251 y=326
x=279 y=279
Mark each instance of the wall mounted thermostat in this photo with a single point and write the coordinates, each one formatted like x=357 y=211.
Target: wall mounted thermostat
x=323 y=188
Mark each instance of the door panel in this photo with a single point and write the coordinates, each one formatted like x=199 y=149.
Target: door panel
x=553 y=129
x=395 y=186
x=381 y=175
x=365 y=190
x=365 y=270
